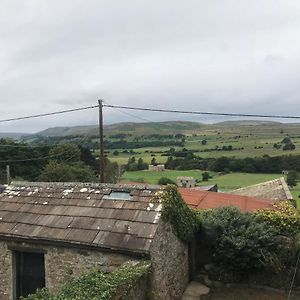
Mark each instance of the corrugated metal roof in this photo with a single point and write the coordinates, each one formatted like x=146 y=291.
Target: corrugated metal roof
x=80 y=214
x=207 y=199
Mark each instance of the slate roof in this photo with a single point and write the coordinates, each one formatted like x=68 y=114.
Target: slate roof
x=79 y=214
x=206 y=199
x=276 y=189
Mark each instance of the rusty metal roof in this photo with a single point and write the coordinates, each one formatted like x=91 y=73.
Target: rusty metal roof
x=81 y=214
x=206 y=199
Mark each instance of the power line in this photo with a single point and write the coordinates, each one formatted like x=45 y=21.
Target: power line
x=49 y=114
x=152 y=110
x=201 y=112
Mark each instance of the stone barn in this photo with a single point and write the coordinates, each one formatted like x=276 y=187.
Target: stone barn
x=48 y=228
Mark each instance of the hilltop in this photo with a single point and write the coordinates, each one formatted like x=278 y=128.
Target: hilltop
x=128 y=127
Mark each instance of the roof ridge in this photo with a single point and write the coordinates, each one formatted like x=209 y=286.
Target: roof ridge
x=259 y=184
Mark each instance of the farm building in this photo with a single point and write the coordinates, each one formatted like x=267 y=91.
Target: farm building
x=276 y=189
x=48 y=228
x=186 y=182
x=205 y=199
x=157 y=168
x=211 y=188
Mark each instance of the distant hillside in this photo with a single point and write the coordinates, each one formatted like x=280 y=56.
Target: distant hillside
x=247 y=123
x=65 y=131
x=129 y=127
x=13 y=135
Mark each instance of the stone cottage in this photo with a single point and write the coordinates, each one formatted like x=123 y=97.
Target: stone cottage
x=186 y=182
x=48 y=228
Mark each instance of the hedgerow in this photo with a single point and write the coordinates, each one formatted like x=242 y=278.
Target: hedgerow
x=97 y=285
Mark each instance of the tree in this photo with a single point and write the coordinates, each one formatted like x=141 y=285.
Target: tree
x=286 y=140
x=153 y=162
x=204 y=142
x=62 y=172
x=292 y=178
x=289 y=146
x=205 y=176
x=65 y=153
x=111 y=171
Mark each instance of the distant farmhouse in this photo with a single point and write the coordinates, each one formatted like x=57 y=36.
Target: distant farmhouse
x=157 y=168
x=47 y=228
x=187 y=182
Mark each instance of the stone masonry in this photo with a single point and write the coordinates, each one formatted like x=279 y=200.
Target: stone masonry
x=59 y=261
x=170 y=267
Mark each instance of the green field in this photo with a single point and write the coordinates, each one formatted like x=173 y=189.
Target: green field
x=246 y=139
x=225 y=182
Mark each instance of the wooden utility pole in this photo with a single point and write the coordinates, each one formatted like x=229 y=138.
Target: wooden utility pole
x=101 y=142
x=8 y=174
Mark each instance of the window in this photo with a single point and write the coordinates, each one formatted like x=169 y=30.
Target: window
x=29 y=273
x=118 y=196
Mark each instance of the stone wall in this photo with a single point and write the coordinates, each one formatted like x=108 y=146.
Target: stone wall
x=5 y=272
x=59 y=261
x=170 y=267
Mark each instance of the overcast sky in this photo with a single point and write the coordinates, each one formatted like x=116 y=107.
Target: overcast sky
x=223 y=56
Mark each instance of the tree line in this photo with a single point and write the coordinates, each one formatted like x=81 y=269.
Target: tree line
x=264 y=164
x=62 y=162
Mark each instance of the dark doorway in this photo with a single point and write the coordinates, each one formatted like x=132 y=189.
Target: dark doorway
x=29 y=272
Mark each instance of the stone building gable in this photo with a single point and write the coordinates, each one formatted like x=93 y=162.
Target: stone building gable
x=276 y=189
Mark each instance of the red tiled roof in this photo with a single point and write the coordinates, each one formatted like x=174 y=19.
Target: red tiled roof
x=206 y=199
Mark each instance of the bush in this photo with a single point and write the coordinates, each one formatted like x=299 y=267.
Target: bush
x=243 y=244
x=285 y=219
x=165 y=180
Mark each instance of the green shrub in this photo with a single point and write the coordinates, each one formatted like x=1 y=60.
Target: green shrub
x=97 y=285
x=166 y=180
x=243 y=244
x=285 y=218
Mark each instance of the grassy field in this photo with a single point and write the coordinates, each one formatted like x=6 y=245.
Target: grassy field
x=153 y=177
x=246 y=140
x=225 y=182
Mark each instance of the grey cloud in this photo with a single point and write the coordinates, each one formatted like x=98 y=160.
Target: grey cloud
x=232 y=56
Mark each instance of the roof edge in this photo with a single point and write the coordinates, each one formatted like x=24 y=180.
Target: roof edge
x=117 y=186
x=66 y=244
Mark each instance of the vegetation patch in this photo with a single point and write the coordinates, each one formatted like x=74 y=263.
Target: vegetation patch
x=250 y=244
x=285 y=218
x=97 y=285
x=241 y=244
x=175 y=211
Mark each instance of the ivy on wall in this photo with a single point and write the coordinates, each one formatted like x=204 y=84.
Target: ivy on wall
x=97 y=285
x=175 y=211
